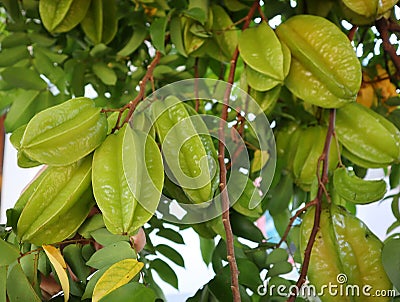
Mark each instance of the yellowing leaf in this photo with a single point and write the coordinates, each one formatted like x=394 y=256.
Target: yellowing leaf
x=60 y=266
x=117 y=275
x=259 y=160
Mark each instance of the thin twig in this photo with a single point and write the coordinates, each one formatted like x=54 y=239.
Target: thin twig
x=292 y=219
x=318 y=203
x=352 y=32
x=142 y=89
x=221 y=158
x=383 y=27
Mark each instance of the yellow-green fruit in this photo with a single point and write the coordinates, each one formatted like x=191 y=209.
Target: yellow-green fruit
x=325 y=70
x=60 y=202
x=345 y=254
x=369 y=139
x=364 y=12
x=311 y=143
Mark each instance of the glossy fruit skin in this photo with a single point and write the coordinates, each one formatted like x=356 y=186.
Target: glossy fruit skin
x=320 y=74
x=357 y=190
x=365 y=12
x=267 y=59
x=368 y=138
x=127 y=179
x=110 y=186
x=59 y=204
x=343 y=245
x=300 y=149
x=180 y=133
x=63 y=134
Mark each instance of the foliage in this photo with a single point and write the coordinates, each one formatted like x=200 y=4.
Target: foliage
x=77 y=227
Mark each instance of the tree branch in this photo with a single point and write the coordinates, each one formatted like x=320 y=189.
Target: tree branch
x=142 y=89
x=318 y=202
x=292 y=219
x=221 y=158
x=383 y=27
x=352 y=32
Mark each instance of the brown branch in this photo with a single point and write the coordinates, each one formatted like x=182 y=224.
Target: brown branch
x=292 y=219
x=224 y=193
x=393 y=26
x=221 y=157
x=142 y=89
x=262 y=16
x=352 y=32
x=383 y=27
x=318 y=203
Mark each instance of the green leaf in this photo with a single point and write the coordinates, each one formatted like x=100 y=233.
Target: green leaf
x=176 y=32
x=391 y=260
x=111 y=254
x=260 y=81
x=22 y=108
x=92 y=24
x=246 y=195
x=52 y=13
x=106 y=74
x=42 y=40
x=104 y=237
x=14 y=40
x=29 y=264
x=248 y=276
x=165 y=272
x=171 y=254
x=3 y=283
x=393 y=226
x=259 y=161
x=131 y=292
x=394 y=177
x=87 y=251
x=262 y=51
x=224 y=33
x=243 y=227
x=10 y=56
x=171 y=235
x=44 y=264
x=9 y=253
x=196 y=13
x=73 y=256
x=75 y=14
x=207 y=248
x=157 y=33
x=137 y=38
x=110 y=21
x=24 y=78
x=45 y=66
x=277 y=255
x=90 y=225
x=220 y=285
x=280 y=196
x=116 y=276
x=280 y=268
x=18 y=286
x=55 y=57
